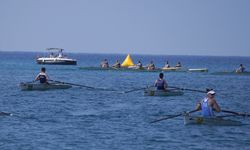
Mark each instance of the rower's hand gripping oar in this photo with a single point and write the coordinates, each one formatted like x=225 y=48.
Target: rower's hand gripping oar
x=173 y=116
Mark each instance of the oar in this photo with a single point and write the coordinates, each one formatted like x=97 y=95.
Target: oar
x=236 y=113
x=134 y=90
x=114 y=68
x=173 y=116
x=90 y=87
x=138 y=89
x=194 y=90
x=5 y=114
x=73 y=84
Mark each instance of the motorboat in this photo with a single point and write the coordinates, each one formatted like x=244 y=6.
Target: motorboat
x=56 y=58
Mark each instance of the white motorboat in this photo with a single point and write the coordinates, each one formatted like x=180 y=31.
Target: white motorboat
x=56 y=59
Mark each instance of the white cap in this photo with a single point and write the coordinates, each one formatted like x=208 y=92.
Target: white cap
x=211 y=92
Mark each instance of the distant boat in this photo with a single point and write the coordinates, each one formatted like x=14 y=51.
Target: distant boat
x=56 y=58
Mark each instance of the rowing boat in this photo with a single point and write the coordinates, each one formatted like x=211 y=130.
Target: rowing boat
x=171 y=68
x=198 y=70
x=43 y=86
x=152 y=91
x=218 y=121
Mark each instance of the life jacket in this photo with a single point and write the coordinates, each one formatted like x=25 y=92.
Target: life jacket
x=160 y=84
x=42 y=78
x=206 y=110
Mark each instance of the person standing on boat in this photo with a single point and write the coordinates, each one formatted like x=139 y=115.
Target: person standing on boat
x=42 y=76
x=104 y=63
x=208 y=105
x=241 y=69
x=60 y=54
x=117 y=64
x=161 y=83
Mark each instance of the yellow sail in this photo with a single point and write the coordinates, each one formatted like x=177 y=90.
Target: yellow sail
x=127 y=62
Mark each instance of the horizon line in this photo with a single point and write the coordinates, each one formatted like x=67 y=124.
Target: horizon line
x=75 y=52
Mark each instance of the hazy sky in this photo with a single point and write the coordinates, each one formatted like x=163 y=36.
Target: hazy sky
x=179 y=27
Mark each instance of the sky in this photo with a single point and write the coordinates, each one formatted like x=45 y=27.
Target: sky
x=161 y=27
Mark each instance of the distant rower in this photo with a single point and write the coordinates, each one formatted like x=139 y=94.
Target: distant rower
x=241 y=69
x=166 y=65
x=104 y=64
x=139 y=65
x=117 y=64
x=161 y=83
x=42 y=76
x=178 y=64
x=151 y=66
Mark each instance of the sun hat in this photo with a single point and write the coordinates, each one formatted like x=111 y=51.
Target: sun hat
x=212 y=92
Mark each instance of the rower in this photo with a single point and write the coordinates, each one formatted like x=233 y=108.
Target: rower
x=241 y=69
x=42 y=76
x=178 y=64
x=208 y=105
x=117 y=64
x=104 y=64
x=139 y=65
x=161 y=83
x=151 y=66
x=166 y=65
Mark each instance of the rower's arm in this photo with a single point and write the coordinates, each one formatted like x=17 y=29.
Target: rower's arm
x=155 y=83
x=37 y=77
x=165 y=84
x=198 y=106
x=216 y=107
x=47 y=77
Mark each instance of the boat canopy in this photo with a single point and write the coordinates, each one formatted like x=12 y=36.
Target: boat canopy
x=54 y=49
x=127 y=62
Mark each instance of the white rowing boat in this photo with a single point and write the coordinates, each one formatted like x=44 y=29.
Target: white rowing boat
x=43 y=86
x=198 y=70
x=171 y=69
x=152 y=91
x=218 y=121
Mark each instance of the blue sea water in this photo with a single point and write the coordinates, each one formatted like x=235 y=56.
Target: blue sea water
x=80 y=118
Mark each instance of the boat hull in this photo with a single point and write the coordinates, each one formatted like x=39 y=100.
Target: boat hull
x=170 y=92
x=56 y=61
x=172 y=69
x=192 y=120
x=198 y=70
x=43 y=86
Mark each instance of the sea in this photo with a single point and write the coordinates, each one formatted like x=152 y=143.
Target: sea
x=94 y=119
